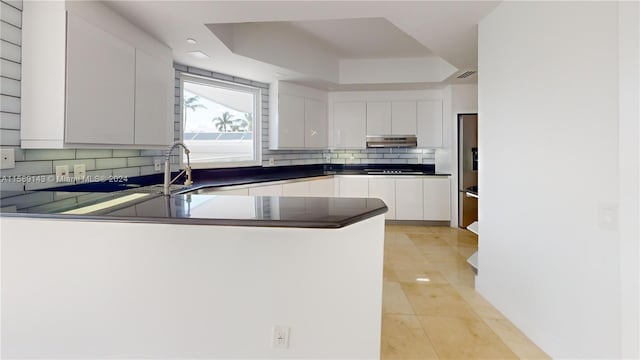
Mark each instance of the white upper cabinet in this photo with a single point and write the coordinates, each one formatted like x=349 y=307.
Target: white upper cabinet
x=153 y=101
x=403 y=118
x=298 y=117
x=92 y=79
x=355 y=114
x=100 y=85
x=378 y=117
x=315 y=124
x=290 y=121
x=349 y=124
x=429 y=123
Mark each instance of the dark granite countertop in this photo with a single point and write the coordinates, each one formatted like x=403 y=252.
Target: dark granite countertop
x=197 y=209
x=184 y=207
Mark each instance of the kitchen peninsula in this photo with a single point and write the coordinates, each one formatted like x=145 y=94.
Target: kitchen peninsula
x=195 y=276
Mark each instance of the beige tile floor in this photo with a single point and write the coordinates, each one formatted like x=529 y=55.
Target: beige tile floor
x=430 y=309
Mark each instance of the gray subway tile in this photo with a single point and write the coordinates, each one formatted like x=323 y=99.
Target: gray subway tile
x=10 y=137
x=179 y=67
x=11 y=14
x=10 y=51
x=198 y=71
x=37 y=154
x=11 y=33
x=29 y=168
x=99 y=175
x=10 y=69
x=152 y=153
x=10 y=186
x=125 y=153
x=9 y=87
x=140 y=161
x=220 y=76
x=128 y=172
x=111 y=163
x=15 y=3
x=90 y=164
x=93 y=153
x=10 y=104
x=9 y=121
x=148 y=170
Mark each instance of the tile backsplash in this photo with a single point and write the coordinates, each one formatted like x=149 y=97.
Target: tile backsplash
x=119 y=162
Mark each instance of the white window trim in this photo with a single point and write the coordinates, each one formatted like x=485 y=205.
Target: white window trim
x=257 y=128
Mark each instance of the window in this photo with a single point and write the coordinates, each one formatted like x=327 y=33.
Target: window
x=220 y=122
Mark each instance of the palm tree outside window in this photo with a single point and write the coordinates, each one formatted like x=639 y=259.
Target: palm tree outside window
x=219 y=122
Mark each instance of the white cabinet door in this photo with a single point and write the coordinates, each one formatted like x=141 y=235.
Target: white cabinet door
x=409 y=199
x=290 y=121
x=315 y=123
x=353 y=186
x=266 y=190
x=437 y=198
x=349 y=124
x=100 y=86
x=378 y=118
x=322 y=188
x=153 y=106
x=385 y=189
x=429 y=123
x=403 y=118
x=299 y=188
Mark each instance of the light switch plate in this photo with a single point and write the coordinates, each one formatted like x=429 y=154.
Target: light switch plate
x=62 y=173
x=79 y=171
x=7 y=158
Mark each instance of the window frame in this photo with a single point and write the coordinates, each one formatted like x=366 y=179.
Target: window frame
x=257 y=119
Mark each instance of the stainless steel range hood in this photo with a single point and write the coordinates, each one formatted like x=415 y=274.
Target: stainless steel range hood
x=391 y=141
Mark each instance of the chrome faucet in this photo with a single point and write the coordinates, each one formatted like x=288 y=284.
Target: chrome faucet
x=167 y=168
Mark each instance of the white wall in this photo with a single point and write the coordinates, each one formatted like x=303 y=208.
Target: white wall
x=548 y=130
x=629 y=90
x=112 y=290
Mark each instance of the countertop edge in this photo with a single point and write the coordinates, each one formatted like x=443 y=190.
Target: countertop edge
x=211 y=222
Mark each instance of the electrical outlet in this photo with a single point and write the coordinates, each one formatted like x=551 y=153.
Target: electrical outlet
x=280 y=337
x=79 y=172
x=272 y=161
x=157 y=165
x=7 y=158
x=327 y=157
x=62 y=173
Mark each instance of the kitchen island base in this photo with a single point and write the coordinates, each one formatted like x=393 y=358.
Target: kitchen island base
x=103 y=289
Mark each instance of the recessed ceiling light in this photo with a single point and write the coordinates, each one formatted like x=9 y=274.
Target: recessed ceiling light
x=191 y=41
x=198 y=54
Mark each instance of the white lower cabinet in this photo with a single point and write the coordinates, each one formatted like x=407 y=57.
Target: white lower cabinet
x=322 y=188
x=353 y=186
x=266 y=190
x=385 y=189
x=437 y=198
x=299 y=188
x=409 y=199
